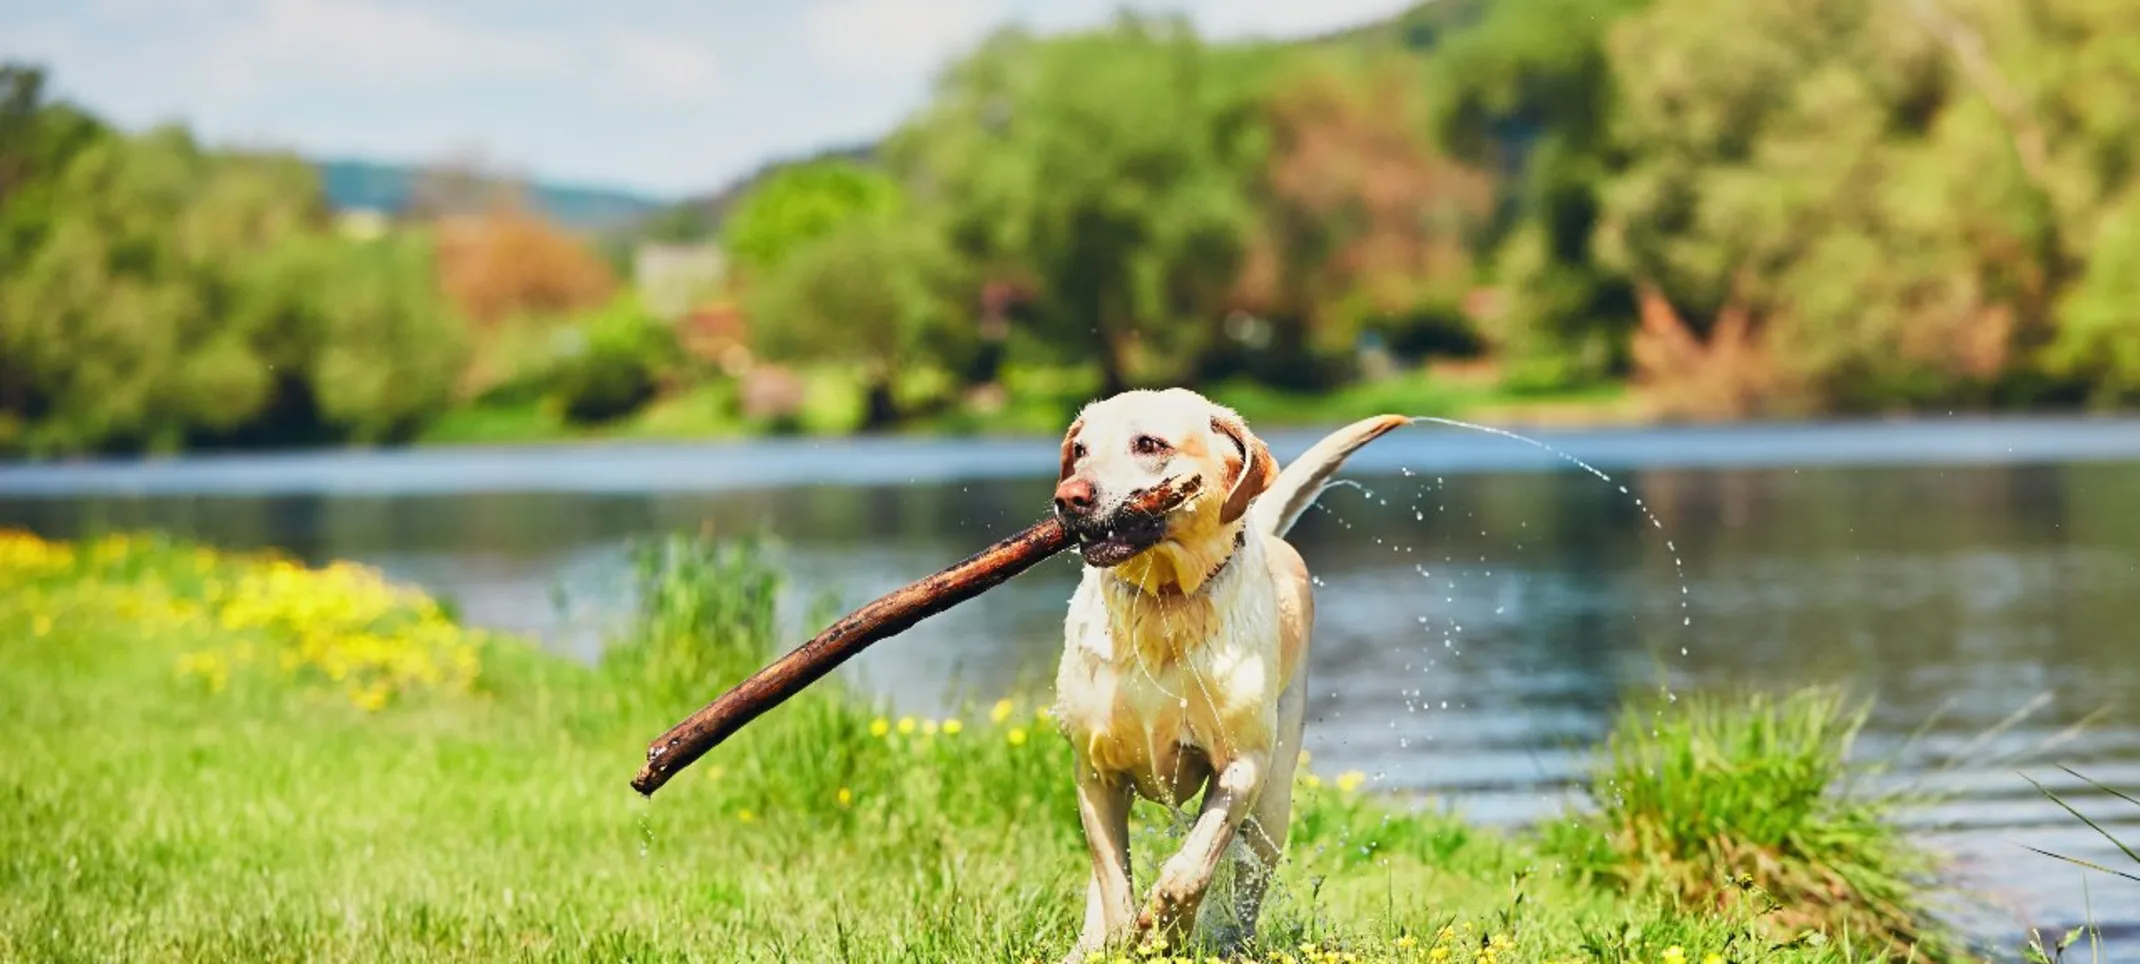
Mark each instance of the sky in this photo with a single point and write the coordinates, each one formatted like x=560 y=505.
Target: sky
x=664 y=97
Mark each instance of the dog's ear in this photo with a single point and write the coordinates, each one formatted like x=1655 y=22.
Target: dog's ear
x=1256 y=469
x=1069 y=445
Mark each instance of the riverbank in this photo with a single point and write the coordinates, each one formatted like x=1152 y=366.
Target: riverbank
x=220 y=757
x=1034 y=401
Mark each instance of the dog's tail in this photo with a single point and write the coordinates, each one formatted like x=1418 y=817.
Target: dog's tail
x=1300 y=483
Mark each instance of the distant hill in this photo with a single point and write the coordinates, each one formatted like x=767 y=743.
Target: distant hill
x=386 y=187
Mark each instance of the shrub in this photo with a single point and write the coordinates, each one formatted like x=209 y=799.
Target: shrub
x=615 y=361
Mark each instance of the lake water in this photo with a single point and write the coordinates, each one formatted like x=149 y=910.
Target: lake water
x=1485 y=605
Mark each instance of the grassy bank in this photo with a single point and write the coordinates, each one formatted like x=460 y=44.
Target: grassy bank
x=237 y=758
x=1039 y=401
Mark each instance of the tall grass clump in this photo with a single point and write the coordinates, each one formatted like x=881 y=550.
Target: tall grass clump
x=706 y=616
x=1714 y=801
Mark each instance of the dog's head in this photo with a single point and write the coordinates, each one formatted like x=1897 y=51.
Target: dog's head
x=1125 y=445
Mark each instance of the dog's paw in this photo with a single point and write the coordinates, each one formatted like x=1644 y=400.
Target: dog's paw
x=1175 y=894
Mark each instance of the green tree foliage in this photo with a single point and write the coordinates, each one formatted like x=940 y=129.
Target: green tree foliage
x=615 y=360
x=117 y=322
x=367 y=345
x=801 y=204
x=1109 y=171
x=1869 y=182
x=878 y=293
x=156 y=294
x=1363 y=223
x=2098 y=341
x=1528 y=92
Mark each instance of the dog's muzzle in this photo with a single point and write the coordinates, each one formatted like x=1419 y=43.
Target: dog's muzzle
x=1114 y=536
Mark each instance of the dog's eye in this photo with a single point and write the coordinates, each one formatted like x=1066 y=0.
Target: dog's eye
x=1147 y=445
x=1077 y=451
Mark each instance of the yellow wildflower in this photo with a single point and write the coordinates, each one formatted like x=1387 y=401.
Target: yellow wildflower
x=1407 y=942
x=880 y=726
x=1713 y=958
x=952 y=727
x=846 y=796
x=906 y=725
x=1000 y=712
x=1439 y=953
x=1675 y=955
x=1016 y=736
x=928 y=728
x=746 y=816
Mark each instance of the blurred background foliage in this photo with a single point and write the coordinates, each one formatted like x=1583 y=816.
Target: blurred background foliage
x=1653 y=208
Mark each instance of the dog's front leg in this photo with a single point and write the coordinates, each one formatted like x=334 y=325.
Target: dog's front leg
x=1103 y=806
x=1185 y=877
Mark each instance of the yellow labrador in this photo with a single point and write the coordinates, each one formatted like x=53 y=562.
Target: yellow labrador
x=1185 y=659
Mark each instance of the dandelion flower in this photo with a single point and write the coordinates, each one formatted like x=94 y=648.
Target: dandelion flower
x=746 y=816
x=906 y=725
x=1675 y=955
x=1350 y=780
x=1713 y=958
x=1407 y=942
x=846 y=796
x=952 y=727
x=1016 y=736
x=1000 y=712
x=880 y=726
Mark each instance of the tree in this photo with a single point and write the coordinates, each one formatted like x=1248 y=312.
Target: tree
x=117 y=323
x=1820 y=170
x=1107 y=172
x=368 y=346
x=1528 y=94
x=875 y=292
x=506 y=262
x=798 y=205
x=1361 y=219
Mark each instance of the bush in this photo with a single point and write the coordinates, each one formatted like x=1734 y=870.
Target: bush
x=615 y=361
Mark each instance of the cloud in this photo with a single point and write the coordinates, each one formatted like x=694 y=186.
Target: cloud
x=652 y=64
x=1226 y=19
x=378 y=44
x=895 y=38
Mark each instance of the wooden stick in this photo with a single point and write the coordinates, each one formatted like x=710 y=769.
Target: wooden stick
x=889 y=616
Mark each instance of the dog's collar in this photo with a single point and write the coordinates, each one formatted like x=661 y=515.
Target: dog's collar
x=1240 y=541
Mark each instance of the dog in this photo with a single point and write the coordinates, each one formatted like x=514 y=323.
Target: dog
x=1185 y=653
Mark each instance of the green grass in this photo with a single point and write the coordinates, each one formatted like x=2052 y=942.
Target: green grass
x=1412 y=393
x=2127 y=850
x=215 y=758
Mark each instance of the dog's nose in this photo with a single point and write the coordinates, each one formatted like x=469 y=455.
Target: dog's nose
x=1073 y=497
